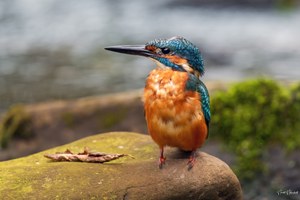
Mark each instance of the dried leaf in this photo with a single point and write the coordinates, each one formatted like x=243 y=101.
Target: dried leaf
x=85 y=156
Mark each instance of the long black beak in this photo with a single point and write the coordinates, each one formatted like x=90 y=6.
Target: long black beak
x=131 y=49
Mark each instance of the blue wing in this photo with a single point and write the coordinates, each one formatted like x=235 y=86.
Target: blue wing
x=205 y=101
x=195 y=84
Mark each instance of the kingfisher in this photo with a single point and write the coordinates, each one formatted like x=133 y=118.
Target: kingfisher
x=176 y=101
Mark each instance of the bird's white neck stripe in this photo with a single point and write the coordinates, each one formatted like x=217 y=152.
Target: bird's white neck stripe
x=159 y=64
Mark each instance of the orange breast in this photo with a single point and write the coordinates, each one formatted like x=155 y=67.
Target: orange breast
x=174 y=116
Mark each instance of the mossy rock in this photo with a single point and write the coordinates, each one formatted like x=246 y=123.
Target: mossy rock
x=35 y=177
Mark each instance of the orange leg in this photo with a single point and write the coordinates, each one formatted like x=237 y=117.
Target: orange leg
x=192 y=159
x=162 y=159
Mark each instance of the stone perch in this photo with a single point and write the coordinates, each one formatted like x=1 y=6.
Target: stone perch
x=35 y=177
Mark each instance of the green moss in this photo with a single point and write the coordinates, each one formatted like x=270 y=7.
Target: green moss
x=15 y=123
x=251 y=115
x=292 y=120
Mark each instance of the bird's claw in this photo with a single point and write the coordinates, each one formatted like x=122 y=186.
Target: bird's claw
x=161 y=162
x=192 y=161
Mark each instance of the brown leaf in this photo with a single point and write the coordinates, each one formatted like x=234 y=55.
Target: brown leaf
x=85 y=156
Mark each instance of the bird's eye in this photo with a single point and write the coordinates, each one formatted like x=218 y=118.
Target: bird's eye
x=165 y=50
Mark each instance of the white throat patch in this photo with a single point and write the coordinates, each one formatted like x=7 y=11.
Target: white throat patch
x=159 y=64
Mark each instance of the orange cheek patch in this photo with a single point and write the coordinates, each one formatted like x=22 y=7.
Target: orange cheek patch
x=151 y=48
x=180 y=61
x=177 y=60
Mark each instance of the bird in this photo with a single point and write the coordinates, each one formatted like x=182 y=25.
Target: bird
x=176 y=101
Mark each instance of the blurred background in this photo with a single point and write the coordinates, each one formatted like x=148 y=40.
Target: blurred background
x=53 y=51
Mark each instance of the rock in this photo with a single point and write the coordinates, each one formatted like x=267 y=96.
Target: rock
x=35 y=177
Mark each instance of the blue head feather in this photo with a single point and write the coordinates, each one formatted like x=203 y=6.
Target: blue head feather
x=178 y=46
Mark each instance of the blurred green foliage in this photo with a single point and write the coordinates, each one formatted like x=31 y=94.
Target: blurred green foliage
x=15 y=123
x=286 y=4
x=69 y=119
x=110 y=118
x=291 y=138
x=253 y=114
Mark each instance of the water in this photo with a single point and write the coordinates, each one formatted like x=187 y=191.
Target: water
x=53 y=49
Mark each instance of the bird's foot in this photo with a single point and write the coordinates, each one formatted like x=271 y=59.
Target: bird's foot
x=162 y=159
x=192 y=160
x=161 y=162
